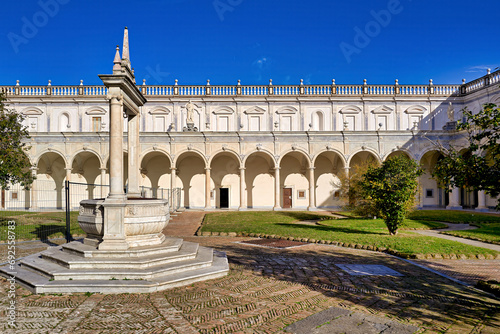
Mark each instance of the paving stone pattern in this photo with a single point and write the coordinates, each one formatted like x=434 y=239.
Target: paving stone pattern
x=267 y=290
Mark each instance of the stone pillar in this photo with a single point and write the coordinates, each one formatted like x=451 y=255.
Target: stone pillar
x=172 y=198
x=133 y=157
x=33 y=191
x=454 y=200
x=277 y=189
x=116 y=149
x=481 y=201
x=104 y=191
x=207 y=189
x=242 y=207
x=173 y=175
x=312 y=206
x=114 y=205
x=68 y=174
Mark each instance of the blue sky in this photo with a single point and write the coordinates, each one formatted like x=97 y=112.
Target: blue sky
x=252 y=40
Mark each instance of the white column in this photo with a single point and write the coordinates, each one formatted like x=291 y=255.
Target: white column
x=104 y=189
x=133 y=157
x=33 y=190
x=172 y=198
x=207 y=189
x=116 y=149
x=242 y=207
x=481 y=201
x=312 y=206
x=277 y=189
x=454 y=200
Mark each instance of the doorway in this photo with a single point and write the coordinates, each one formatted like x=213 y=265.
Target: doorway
x=287 y=198
x=224 y=198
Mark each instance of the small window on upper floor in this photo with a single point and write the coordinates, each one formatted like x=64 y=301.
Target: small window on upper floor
x=96 y=124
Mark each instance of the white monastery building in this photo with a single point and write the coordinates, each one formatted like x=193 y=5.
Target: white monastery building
x=241 y=147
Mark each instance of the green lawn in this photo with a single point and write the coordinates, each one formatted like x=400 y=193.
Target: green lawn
x=38 y=225
x=369 y=232
x=488 y=232
x=451 y=216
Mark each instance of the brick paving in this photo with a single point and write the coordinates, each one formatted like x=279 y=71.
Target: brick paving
x=266 y=290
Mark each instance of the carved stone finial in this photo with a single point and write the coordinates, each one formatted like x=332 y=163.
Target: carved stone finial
x=463 y=81
x=144 y=82
x=81 y=82
x=117 y=61
x=50 y=83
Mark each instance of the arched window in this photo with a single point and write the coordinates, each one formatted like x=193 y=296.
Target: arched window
x=64 y=124
x=318 y=121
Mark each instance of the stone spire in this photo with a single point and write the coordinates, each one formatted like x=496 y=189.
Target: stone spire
x=117 y=68
x=125 y=53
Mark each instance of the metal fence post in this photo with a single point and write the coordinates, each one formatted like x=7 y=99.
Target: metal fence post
x=68 y=218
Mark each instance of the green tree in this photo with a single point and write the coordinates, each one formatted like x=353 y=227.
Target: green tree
x=351 y=191
x=476 y=166
x=14 y=163
x=392 y=187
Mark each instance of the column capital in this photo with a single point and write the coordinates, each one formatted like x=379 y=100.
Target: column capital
x=243 y=168
x=208 y=169
x=277 y=168
x=103 y=169
x=312 y=168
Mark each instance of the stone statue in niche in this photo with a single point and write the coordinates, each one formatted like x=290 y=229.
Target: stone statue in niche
x=189 y=112
x=189 y=118
x=451 y=112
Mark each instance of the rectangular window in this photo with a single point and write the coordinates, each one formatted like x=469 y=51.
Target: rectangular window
x=429 y=193
x=301 y=194
x=351 y=123
x=286 y=123
x=159 y=124
x=14 y=195
x=255 y=123
x=381 y=123
x=96 y=124
x=223 y=123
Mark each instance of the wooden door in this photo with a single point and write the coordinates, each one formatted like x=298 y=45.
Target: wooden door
x=287 y=198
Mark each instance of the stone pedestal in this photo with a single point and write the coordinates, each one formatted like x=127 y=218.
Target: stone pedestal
x=190 y=128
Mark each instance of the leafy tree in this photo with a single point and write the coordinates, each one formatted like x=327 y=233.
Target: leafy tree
x=351 y=191
x=14 y=163
x=392 y=187
x=478 y=167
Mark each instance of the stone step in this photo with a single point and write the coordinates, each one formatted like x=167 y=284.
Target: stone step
x=168 y=246
x=40 y=284
x=52 y=270
x=58 y=255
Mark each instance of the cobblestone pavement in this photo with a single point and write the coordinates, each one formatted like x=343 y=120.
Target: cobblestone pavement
x=266 y=290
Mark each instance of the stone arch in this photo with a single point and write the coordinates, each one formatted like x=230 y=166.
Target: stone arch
x=51 y=174
x=362 y=154
x=400 y=151
x=191 y=177
x=156 y=172
x=328 y=166
x=431 y=194
x=294 y=178
x=259 y=179
x=225 y=175
x=263 y=151
x=297 y=150
x=86 y=168
x=193 y=151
